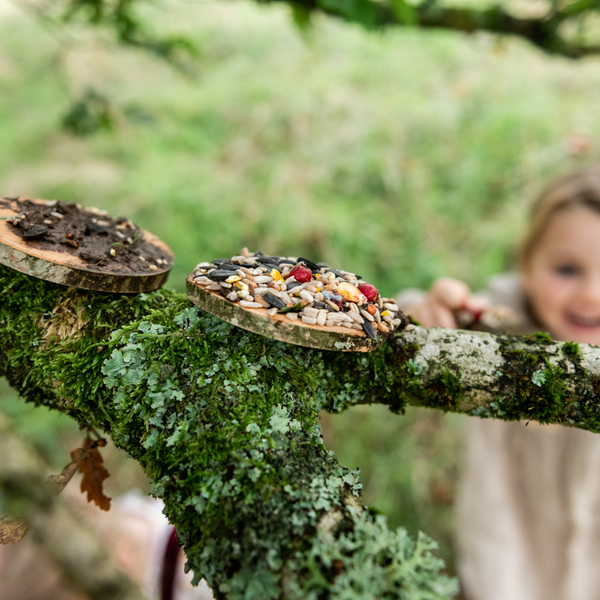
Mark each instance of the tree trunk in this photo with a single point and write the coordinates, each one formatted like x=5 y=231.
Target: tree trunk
x=225 y=424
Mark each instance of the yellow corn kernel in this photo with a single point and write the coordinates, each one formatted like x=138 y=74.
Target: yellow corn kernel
x=276 y=275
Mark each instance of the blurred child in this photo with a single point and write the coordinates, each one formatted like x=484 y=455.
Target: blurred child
x=529 y=516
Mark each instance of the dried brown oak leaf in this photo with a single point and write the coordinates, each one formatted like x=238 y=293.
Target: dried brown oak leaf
x=12 y=529
x=94 y=474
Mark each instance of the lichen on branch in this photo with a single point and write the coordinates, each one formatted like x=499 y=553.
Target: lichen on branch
x=225 y=424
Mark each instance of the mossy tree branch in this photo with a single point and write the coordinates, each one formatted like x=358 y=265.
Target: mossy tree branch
x=225 y=424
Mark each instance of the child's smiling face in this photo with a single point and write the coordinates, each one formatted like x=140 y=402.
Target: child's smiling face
x=562 y=276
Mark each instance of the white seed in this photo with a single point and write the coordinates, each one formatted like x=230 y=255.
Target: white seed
x=102 y=223
x=232 y=297
x=202 y=265
x=357 y=327
x=356 y=317
x=367 y=316
x=306 y=296
x=203 y=280
x=239 y=259
x=263 y=279
x=142 y=258
x=113 y=252
x=388 y=318
x=310 y=312
x=396 y=322
x=309 y=320
x=292 y=315
x=284 y=296
x=57 y=215
x=47 y=222
x=322 y=317
x=336 y=317
x=410 y=327
x=153 y=267
x=225 y=285
x=272 y=312
x=249 y=304
x=319 y=297
x=391 y=307
x=379 y=302
x=383 y=327
x=261 y=290
x=214 y=286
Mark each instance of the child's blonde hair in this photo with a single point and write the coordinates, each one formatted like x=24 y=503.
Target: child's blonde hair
x=581 y=188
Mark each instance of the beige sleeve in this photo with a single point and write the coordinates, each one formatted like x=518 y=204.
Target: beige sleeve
x=410 y=297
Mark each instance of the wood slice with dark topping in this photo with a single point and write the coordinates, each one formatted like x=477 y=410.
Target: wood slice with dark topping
x=80 y=247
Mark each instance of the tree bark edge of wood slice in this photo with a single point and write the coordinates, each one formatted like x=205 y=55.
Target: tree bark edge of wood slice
x=279 y=327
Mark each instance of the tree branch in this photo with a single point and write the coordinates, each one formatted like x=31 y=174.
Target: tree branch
x=542 y=32
x=545 y=32
x=225 y=424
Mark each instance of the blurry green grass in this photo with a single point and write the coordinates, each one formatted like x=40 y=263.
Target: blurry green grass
x=400 y=155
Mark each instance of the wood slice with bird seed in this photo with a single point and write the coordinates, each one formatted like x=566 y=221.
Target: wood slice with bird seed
x=294 y=300
x=81 y=247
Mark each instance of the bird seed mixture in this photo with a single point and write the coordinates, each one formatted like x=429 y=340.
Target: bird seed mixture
x=300 y=290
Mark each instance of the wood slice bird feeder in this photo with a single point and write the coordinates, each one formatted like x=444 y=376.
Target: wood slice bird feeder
x=80 y=247
x=269 y=299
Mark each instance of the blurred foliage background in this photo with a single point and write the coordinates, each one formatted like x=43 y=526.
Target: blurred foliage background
x=402 y=155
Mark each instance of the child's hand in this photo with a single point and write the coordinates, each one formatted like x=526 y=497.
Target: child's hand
x=446 y=297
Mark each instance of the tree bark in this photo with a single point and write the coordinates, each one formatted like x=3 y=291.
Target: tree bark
x=225 y=424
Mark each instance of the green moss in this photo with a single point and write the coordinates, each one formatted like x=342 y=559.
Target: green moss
x=539 y=336
x=571 y=348
x=224 y=423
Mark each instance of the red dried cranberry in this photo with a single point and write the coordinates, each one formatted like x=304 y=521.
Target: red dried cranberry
x=369 y=290
x=301 y=274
